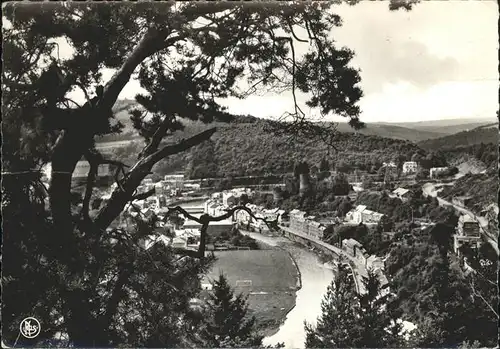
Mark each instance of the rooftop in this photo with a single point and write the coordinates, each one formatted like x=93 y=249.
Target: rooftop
x=360 y=208
x=466 y=219
x=401 y=191
x=351 y=242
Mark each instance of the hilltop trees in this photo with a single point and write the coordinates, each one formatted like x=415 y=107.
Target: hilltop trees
x=186 y=56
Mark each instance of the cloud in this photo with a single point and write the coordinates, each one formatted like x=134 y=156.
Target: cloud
x=403 y=102
x=388 y=48
x=406 y=61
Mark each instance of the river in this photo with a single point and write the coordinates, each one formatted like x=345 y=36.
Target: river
x=315 y=279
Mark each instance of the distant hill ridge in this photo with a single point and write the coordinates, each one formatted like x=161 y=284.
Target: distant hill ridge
x=246 y=146
x=481 y=134
x=250 y=149
x=410 y=131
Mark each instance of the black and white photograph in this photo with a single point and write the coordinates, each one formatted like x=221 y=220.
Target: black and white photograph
x=250 y=174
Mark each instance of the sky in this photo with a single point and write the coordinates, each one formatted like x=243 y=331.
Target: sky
x=438 y=61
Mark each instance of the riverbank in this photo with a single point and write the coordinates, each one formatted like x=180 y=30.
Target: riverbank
x=268 y=277
x=315 y=277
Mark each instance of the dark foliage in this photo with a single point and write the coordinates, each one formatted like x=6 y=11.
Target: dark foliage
x=225 y=321
x=488 y=134
x=433 y=292
x=352 y=320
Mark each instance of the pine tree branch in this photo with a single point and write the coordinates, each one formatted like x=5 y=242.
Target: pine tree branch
x=114 y=300
x=123 y=194
x=157 y=137
x=146 y=47
x=143 y=196
x=181 y=146
x=206 y=219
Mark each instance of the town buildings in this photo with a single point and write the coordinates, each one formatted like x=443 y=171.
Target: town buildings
x=410 y=167
x=213 y=208
x=229 y=199
x=214 y=228
x=361 y=214
x=151 y=240
x=306 y=224
x=467 y=225
x=355 y=249
x=175 y=181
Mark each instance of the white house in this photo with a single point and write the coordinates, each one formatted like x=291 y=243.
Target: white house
x=361 y=214
x=175 y=181
x=402 y=193
x=410 y=167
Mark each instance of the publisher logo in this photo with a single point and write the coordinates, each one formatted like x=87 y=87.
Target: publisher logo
x=30 y=327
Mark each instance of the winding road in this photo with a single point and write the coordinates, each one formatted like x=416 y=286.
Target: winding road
x=429 y=189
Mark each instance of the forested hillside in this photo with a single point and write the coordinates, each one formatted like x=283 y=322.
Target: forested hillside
x=485 y=154
x=463 y=139
x=481 y=188
x=250 y=149
x=247 y=146
x=393 y=131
